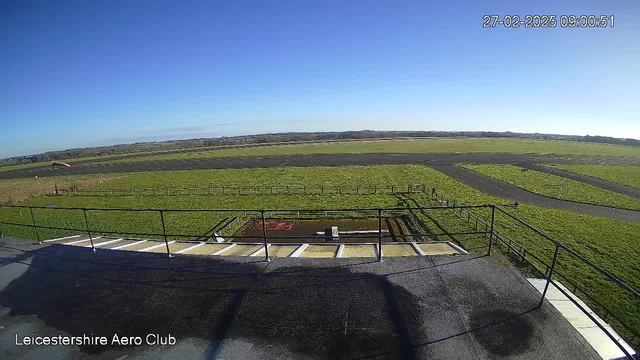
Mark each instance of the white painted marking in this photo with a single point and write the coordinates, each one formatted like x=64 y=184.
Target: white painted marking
x=127 y=245
x=595 y=336
x=417 y=249
x=79 y=241
x=155 y=246
x=190 y=248
x=340 y=250
x=63 y=238
x=256 y=253
x=105 y=243
x=461 y=250
x=223 y=250
x=299 y=250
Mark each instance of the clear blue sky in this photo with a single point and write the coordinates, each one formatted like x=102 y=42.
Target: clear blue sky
x=84 y=73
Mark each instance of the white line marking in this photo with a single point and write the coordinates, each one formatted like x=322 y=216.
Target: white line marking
x=299 y=250
x=223 y=250
x=256 y=253
x=105 y=243
x=340 y=251
x=127 y=245
x=155 y=246
x=417 y=249
x=63 y=238
x=464 y=252
x=190 y=248
x=79 y=241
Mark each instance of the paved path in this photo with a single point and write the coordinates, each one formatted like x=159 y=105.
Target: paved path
x=501 y=189
x=601 y=183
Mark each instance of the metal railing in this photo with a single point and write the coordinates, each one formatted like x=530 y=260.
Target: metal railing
x=550 y=269
x=255 y=190
x=482 y=227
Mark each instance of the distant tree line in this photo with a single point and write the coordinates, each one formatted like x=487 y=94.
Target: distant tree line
x=292 y=137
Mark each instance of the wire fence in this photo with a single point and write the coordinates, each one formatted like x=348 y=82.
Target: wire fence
x=254 y=190
x=553 y=268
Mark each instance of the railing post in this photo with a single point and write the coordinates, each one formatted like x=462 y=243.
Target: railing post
x=35 y=228
x=379 y=234
x=493 y=216
x=86 y=224
x=553 y=265
x=264 y=235
x=164 y=233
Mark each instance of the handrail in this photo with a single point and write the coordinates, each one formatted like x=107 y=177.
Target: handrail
x=573 y=252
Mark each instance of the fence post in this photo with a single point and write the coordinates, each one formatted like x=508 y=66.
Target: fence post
x=493 y=216
x=35 y=229
x=164 y=233
x=264 y=235
x=86 y=224
x=553 y=265
x=379 y=234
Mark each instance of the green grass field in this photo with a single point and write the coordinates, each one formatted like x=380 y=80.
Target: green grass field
x=608 y=243
x=545 y=184
x=432 y=145
x=626 y=175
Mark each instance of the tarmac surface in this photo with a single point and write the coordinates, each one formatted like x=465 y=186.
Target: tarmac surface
x=601 y=183
x=434 y=307
x=314 y=160
x=507 y=191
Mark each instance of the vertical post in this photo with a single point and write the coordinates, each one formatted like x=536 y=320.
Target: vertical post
x=493 y=216
x=53 y=172
x=164 y=233
x=379 y=234
x=35 y=229
x=553 y=265
x=86 y=224
x=264 y=235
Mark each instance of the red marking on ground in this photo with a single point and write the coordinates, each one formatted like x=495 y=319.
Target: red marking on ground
x=275 y=225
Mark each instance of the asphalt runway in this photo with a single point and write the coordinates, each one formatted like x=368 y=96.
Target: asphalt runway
x=310 y=161
x=501 y=189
